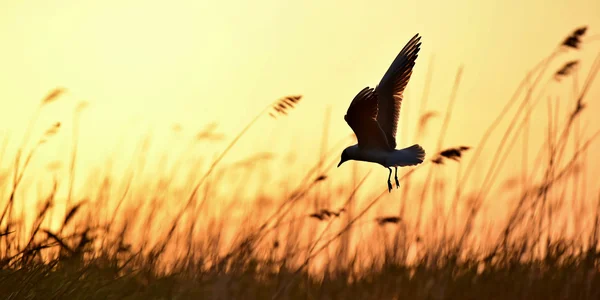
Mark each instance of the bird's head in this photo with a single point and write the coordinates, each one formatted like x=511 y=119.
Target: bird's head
x=344 y=157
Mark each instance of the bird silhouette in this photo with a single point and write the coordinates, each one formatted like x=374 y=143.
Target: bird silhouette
x=373 y=116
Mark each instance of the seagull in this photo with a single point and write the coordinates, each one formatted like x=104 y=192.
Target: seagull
x=373 y=116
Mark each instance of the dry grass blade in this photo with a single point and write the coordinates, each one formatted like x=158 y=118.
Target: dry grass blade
x=44 y=209
x=52 y=130
x=388 y=220
x=37 y=223
x=320 y=178
x=53 y=95
x=208 y=133
x=574 y=39
x=71 y=213
x=325 y=214
x=450 y=153
x=283 y=105
x=566 y=70
x=84 y=241
x=58 y=240
x=6 y=233
x=317 y=216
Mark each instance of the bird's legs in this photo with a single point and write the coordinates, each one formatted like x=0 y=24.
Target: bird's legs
x=390 y=180
x=396 y=176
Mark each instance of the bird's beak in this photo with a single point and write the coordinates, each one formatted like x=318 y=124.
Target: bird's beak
x=340 y=163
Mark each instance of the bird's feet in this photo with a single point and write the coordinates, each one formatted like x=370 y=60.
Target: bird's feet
x=396 y=177
x=389 y=186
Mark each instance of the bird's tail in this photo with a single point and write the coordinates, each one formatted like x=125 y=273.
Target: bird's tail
x=408 y=156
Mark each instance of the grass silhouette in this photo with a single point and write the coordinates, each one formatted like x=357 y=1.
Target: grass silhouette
x=126 y=239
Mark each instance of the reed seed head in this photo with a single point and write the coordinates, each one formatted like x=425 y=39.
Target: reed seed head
x=283 y=105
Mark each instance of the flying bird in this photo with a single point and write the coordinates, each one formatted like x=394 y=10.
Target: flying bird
x=373 y=116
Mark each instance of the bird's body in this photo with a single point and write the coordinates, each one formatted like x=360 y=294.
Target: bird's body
x=373 y=116
x=393 y=158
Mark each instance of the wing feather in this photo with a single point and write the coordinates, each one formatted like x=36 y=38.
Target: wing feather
x=362 y=118
x=391 y=87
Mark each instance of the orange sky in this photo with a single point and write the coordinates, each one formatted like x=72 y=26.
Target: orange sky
x=194 y=62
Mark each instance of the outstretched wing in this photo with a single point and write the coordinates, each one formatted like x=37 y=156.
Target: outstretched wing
x=390 y=89
x=361 y=117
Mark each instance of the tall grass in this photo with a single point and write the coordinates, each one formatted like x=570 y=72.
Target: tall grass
x=126 y=238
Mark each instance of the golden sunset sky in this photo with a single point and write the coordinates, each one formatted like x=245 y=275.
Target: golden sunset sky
x=146 y=65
